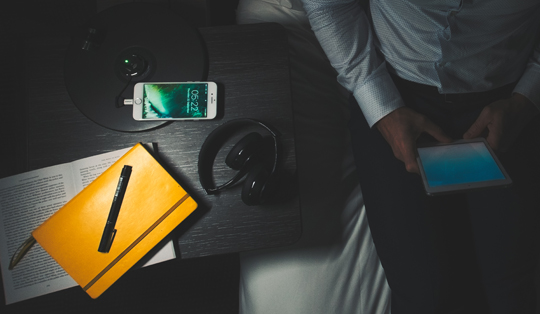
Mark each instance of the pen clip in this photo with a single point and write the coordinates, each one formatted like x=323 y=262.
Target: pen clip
x=21 y=252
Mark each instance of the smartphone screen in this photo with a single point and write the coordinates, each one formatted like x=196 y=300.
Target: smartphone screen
x=459 y=164
x=170 y=101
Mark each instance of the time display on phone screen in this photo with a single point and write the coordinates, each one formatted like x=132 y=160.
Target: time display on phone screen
x=175 y=101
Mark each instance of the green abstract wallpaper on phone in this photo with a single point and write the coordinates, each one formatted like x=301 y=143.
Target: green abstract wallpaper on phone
x=175 y=101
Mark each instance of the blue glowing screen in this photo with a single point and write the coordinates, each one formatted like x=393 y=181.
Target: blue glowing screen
x=459 y=164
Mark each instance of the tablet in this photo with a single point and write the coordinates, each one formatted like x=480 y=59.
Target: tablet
x=460 y=166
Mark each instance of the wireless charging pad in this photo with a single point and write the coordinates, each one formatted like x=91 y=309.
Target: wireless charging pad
x=123 y=45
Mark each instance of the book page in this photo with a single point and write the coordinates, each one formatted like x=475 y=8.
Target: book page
x=87 y=169
x=26 y=201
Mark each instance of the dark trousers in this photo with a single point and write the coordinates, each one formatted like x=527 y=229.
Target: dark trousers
x=476 y=250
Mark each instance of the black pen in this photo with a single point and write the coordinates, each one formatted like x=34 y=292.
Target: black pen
x=109 y=232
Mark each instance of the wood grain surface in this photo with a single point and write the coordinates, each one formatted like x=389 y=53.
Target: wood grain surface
x=250 y=65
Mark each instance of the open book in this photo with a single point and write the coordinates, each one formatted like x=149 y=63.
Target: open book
x=26 y=201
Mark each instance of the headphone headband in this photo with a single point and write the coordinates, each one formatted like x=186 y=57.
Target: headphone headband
x=213 y=144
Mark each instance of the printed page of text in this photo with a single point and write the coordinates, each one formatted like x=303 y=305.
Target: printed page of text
x=26 y=201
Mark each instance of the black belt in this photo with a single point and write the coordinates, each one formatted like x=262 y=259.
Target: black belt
x=497 y=93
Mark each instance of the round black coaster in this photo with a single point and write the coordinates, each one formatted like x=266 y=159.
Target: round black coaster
x=123 y=45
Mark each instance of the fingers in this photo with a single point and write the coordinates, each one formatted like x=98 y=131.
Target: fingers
x=435 y=131
x=404 y=149
x=423 y=124
x=401 y=129
x=427 y=126
x=494 y=137
x=478 y=127
x=488 y=122
x=411 y=164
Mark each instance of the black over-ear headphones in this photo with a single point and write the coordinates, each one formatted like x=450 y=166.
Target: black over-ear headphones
x=247 y=156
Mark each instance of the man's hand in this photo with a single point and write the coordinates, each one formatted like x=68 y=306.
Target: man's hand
x=401 y=128
x=503 y=120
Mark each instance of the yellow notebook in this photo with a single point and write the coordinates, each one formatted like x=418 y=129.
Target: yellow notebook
x=153 y=205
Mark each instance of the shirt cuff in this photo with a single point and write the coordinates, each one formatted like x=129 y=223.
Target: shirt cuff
x=377 y=98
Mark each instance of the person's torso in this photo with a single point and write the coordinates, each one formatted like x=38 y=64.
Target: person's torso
x=458 y=46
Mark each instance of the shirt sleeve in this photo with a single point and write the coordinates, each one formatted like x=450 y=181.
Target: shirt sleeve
x=345 y=34
x=529 y=83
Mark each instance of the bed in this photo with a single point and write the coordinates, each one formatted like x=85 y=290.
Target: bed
x=334 y=267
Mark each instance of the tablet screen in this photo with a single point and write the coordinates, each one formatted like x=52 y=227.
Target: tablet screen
x=459 y=164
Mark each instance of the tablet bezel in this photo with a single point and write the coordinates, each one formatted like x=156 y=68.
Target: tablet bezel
x=463 y=187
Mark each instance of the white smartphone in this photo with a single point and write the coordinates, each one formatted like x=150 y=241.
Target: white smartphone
x=460 y=166
x=174 y=101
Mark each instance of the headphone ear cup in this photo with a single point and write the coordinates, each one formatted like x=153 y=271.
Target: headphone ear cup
x=256 y=186
x=244 y=151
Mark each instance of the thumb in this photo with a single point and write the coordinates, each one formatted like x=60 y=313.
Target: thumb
x=435 y=131
x=477 y=127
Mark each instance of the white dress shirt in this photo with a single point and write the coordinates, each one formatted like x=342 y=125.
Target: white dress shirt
x=456 y=46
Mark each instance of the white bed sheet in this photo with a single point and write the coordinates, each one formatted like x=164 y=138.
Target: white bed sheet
x=334 y=267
